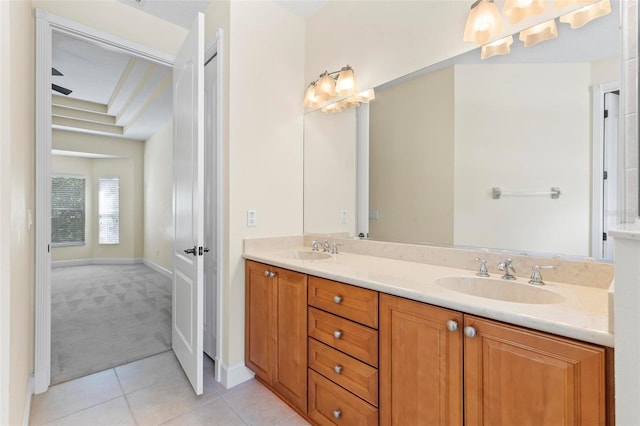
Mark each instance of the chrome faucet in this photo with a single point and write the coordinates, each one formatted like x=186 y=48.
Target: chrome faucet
x=314 y=245
x=536 y=276
x=326 y=247
x=504 y=266
x=334 y=250
x=482 y=270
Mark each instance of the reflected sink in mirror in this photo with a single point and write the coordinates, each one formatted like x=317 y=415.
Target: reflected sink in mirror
x=496 y=289
x=308 y=255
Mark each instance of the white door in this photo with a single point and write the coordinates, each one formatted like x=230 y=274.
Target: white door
x=611 y=213
x=210 y=196
x=188 y=198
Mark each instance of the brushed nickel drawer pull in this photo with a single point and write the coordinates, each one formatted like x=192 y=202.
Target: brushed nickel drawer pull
x=337 y=299
x=337 y=414
x=338 y=369
x=337 y=334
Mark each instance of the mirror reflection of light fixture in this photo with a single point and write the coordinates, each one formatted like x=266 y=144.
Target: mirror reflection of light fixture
x=586 y=14
x=561 y=4
x=517 y=10
x=350 y=102
x=541 y=32
x=484 y=21
x=498 y=47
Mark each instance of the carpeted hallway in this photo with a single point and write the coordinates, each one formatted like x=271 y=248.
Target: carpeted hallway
x=103 y=316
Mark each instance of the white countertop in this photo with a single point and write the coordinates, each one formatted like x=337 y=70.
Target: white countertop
x=583 y=314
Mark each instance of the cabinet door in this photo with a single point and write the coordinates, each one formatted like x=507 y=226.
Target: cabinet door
x=518 y=376
x=258 y=335
x=290 y=372
x=420 y=364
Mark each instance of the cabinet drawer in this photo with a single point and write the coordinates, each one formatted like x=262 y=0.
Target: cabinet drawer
x=348 y=372
x=354 y=339
x=330 y=404
x=357 y=304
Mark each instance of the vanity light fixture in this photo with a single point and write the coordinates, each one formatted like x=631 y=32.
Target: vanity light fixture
x=517 y=10
x=330 y=85
x=541 y=32
x=580 y=17
x=498 y=47
x=484 y=21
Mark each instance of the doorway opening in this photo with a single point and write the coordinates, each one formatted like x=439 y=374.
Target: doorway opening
x=47 y=25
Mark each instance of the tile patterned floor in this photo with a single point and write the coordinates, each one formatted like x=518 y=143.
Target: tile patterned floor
x=155 y=391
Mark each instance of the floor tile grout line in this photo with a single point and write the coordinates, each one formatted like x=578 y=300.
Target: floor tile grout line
x=234 y=410
x=124 y=394
x=78 y=411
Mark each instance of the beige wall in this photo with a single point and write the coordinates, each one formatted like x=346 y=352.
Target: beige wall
x=17 y=190
x=330 y=172
x=411 y=160
x=265 y=142
x=158 y=197
x=129 y=167
x=605 y=70
x=384 y=40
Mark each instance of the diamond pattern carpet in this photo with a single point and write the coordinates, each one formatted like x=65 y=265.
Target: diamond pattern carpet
x=103 y=316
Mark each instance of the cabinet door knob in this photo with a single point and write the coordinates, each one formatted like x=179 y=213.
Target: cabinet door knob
x=470 y=331
x=452 y=325
x=266 y=273
x=338 y=369
x=337 y=414
x=337 y=299
x=337 y=334
x=272 y=274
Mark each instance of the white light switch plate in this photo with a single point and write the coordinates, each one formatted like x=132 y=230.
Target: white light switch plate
x=251 y=218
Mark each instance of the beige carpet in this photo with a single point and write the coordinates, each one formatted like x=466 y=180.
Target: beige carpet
x=103 y=316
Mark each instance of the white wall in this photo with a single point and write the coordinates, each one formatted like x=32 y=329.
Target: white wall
x=500 y=142
x=330 y=172
x=411 y=160
x=266 y=59
x=158 y=197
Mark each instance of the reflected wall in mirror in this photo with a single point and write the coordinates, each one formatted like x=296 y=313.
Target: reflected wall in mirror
x=435 y=143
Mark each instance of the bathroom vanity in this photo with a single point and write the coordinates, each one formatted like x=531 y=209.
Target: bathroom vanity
x=358 y=339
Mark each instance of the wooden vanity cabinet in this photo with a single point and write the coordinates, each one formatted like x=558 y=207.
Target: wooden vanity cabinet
x=512 y=375
x=276 y=329
x=519 y=376
x=420 y=364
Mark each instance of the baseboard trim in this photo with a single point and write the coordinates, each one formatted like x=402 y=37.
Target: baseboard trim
x=27 y=401
x=167 y=273
x=234 y=375
x=96 y=261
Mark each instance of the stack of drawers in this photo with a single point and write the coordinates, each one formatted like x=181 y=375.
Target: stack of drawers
x=343 y=354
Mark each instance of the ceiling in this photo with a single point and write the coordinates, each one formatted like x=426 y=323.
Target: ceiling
x=113 y=93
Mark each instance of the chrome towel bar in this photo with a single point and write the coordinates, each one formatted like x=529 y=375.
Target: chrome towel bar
x=497 y=193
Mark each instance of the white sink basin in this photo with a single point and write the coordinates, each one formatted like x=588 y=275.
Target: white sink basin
x=309 y=255
x=507 y=291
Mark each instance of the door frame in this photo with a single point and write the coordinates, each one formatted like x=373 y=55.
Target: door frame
x=46 y=23
x=597 y=168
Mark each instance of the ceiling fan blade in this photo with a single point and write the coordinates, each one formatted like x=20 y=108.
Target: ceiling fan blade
x=55 y=72
x=62 y=90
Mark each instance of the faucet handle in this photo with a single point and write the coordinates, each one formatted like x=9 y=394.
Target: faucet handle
x=536 y=276
x=335 y=247
x=314 y=245
x=482 y=270
x=326 y=247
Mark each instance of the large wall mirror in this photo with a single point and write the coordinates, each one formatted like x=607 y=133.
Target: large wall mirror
x=420 y=163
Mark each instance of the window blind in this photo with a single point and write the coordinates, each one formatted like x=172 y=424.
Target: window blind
x=109 y=210
x=67 y=211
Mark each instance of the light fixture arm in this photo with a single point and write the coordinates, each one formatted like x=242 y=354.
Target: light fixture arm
x=332 y=74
